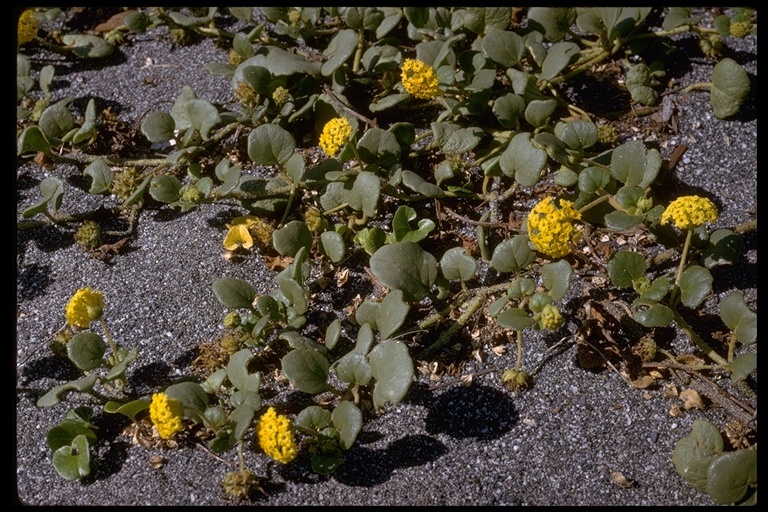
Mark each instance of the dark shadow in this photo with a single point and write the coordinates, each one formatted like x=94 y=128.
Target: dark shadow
x=149 y=377
x=111 y=450
x=481 y=412
x=33 y=280
x=50 y=366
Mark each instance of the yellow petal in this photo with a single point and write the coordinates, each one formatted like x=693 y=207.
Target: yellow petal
x=238 y=235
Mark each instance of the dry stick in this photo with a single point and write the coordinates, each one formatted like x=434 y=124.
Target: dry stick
x=341 y=105
x=744 y=412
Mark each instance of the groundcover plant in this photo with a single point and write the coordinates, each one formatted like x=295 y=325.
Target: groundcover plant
x=448 y=157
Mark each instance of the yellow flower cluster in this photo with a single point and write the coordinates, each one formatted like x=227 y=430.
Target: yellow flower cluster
x=166 y=414
x=336 y=133
x=551 y=229
x=84 y=307
x=689 y=212
x=242 y=230
x=276 y=436
x=28 y=26
x=419 y=79
x=551 y=319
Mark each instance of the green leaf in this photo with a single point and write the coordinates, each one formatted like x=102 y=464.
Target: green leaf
x=639 y=82
x=362 y=193
x=370 y=239
x=553 y=22
x=556 y=277
x=625 y=267
x=73 y=461
x=332 y=334
x=620 y=221
x=101 y=175
x=65 y=433
x=242 y=417
x=631 y=165
x=130 y=409
x=678 y=16
x=457 y=263
x=306 y=369
x=504 y=47
x=191 y=395
x=555 y=148
x=86 y=350
x=332 y=245
x=32 y=140
x=165 y=188
x=693 y=453
x=559 y=56
x=269 y=144
x=522 y=161
x=452 y=138
x=258 y=78
x=508 y=109
x=203 y=116
x=234 y=293
x=731 y=475
x=52 y=190
x=88 y=129
x=341 y=47
x=158 y=127
x=391 y=314
x=654 y=315
x=348 y=419
x=405 y=266
x=730 y=86
x=86 y=45
x=737 y=316
x=52 y=397
x=401 y=225
x=724 y=248
x=389 y=101
x=354 y=369
x=57 y=120
x=515 y=319
x=380 y=147
x=695 y=285
x=578 y=135
x=313 y=417
x=421 y=186
x=537 y=112
x=742 y=366
x=393 y=370
x=512 y=254
x=238 y=374
x=292 y=237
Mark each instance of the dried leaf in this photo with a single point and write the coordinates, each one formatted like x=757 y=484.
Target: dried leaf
x=619 y=480
x=691 y=399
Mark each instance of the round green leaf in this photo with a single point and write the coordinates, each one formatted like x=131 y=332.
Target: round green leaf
x=556 y=277
x=65 y=433
x=238 y=374
x=101 y=175
x=559 y=56
x=508 y=109
x=269 y=144
x=348 y=420
x=512 y=254
x=742 y=365
x=655 y=315
x=515 y=319
x=165 y=188
x=86 y=45
x=456 y=263
x=578 y=135
x=341 y=47
x=421 y=186
x=362 y=193
x=391 y=314
x=633 y=166
x=306 y=369
x=57 y=120
x=693 y=453
x=739 y=318
x=292 y=237
x=234 y=293
x=32 y=140
x=73 y=461
x=626 y=267
x=695 y=285
x=725 y=247
x=192 y=396
x=537 y=112
x=730 y=475
x=730 y=85
x=380 y=147
x=158 y=127
x=332 y=245
x=86 y=350
x=354 y=369
x=504 y=47
x=405 y=266
x=313 y=417
x=257 y=77
x=392 y=368
x=553 y=22
x=522 y=161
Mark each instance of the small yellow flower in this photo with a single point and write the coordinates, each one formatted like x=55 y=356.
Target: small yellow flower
x=28 y=26
x=275 y=436
x=689 y=212
x=166 y=414
x=246 y=230
x=84 y=307
x=336 y=133
x=419 y=79
x=551 y=319
x=550 y=229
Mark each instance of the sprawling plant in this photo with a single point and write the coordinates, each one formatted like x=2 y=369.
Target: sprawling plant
x=382 y=192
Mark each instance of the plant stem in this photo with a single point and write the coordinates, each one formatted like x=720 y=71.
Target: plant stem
x=703 y=345
x=112 y=345
x=680 y=268
x=472 y=307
